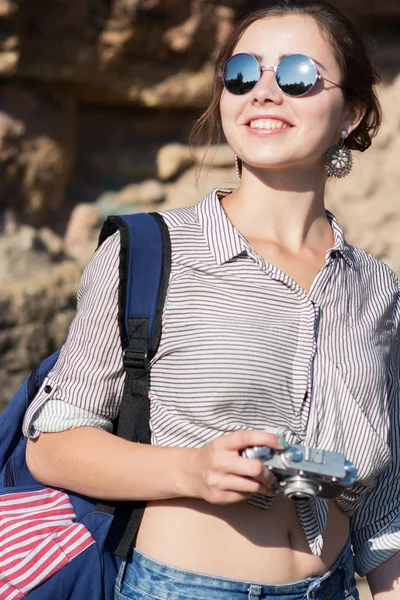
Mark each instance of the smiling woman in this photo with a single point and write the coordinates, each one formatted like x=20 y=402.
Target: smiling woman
x=357 y=75
x=276 y=332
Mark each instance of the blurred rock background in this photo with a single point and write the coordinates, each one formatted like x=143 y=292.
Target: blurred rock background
x=97 y=99
x=96 y=104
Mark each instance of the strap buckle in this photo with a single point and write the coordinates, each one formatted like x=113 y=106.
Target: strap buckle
x=136 y=363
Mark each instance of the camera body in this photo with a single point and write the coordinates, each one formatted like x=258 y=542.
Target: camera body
x=304 y=473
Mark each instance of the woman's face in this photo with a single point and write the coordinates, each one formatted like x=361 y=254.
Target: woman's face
x=252 y=123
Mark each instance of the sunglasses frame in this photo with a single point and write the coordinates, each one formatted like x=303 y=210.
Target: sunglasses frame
x=262 y=68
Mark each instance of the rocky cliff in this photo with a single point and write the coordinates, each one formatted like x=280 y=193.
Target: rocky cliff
x=96 y=104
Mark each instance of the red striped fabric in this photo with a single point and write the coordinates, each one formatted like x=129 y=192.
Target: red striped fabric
x=38 y=536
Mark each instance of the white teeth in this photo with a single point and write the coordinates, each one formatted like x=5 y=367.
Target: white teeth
x=268 y=124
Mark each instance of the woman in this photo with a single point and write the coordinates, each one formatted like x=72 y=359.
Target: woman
x=272 y=321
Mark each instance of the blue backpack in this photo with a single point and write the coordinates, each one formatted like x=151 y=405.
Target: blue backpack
x=56 y=544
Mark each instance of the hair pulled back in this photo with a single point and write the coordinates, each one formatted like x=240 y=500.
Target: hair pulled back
x=359 y=76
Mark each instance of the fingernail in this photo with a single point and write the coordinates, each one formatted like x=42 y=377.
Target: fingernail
x=283 y=443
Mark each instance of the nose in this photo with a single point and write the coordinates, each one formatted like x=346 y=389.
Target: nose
x=266 y=88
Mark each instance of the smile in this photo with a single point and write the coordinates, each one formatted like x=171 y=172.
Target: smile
x=268 y=124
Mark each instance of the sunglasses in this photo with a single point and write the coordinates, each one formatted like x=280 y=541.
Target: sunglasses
x=295 y=75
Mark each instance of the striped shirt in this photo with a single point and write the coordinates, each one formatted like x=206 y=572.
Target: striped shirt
x=244 y=346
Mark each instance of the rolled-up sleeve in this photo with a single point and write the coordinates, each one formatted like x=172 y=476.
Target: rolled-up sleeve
x=375 y=526
x=86 y=383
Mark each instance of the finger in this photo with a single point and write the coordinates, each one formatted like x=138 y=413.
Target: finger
x=267 y=477
x=244 y=485
x=232 y=497
x=270 y=492
x=239 y=440
x=234 y=464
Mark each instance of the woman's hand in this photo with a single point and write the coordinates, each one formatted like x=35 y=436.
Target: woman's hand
x=222 y=476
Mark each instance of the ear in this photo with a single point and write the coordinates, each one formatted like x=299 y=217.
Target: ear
x=354 y=114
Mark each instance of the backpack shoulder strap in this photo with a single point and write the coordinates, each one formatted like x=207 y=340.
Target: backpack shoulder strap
x=145 y=263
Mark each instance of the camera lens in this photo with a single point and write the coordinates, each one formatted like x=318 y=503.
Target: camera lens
x=298 y=497
x=300 y=489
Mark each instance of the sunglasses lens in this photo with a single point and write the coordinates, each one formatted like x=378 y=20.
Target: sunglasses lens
x=296 y=75
x=241 y=73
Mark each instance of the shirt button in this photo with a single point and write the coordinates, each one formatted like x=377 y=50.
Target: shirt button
x=47 y=389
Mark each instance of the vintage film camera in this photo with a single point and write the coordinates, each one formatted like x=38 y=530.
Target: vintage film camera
x=303 y=473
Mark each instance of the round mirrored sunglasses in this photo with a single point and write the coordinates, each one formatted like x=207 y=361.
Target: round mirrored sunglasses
x=295 y=75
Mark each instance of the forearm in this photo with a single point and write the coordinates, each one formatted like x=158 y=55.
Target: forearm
x=384 y=581
x=98 y=464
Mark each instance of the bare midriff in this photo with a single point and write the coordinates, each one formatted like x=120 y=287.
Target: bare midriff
x=239 y=541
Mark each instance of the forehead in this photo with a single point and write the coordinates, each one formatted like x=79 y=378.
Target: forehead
x=290 y=34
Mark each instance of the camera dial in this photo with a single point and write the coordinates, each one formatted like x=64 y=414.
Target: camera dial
x=293 y=453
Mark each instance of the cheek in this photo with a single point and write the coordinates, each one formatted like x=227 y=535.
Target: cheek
x=323 y=119
x=228 y=112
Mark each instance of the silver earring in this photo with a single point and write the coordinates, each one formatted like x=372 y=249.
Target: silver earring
x=339 y=160
x=238 y=166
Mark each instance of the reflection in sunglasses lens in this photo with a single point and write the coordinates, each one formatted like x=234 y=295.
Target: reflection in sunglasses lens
x=296 y=75
x=241 y=74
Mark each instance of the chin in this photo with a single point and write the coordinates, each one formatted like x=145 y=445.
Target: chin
x=268 y=166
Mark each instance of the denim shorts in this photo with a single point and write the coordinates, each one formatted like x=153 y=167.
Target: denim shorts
x=142 y=578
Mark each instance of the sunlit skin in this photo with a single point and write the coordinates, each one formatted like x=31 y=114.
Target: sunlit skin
x=279 y=206
x=316 y=119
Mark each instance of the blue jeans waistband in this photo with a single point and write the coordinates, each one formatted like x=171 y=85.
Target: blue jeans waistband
x=142 y=577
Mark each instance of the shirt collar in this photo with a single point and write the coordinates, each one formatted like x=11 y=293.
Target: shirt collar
x=340 y=244
x=224 y=240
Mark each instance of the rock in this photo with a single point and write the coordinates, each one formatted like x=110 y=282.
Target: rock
x=109 y=107
x=117 y=148
x=154 y=53
x=36 y=135
x=81 y=236
x=390 y=99
x=367 y=202
x=34 y=318
x=173 y=159
x=133 y=198
x=150 y=191
x=194 y=184
x=215 y=156
x=53 y=243
x=20 y=252
x=11 y=135
x=178 y=90
x=120 y=51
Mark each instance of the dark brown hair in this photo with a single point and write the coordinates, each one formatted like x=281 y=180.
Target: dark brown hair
x=359 y=76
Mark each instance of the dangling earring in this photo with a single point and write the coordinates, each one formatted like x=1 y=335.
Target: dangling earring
x=238 y=165
x=339 y=160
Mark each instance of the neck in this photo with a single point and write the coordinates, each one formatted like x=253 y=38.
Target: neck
x=286 y=208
